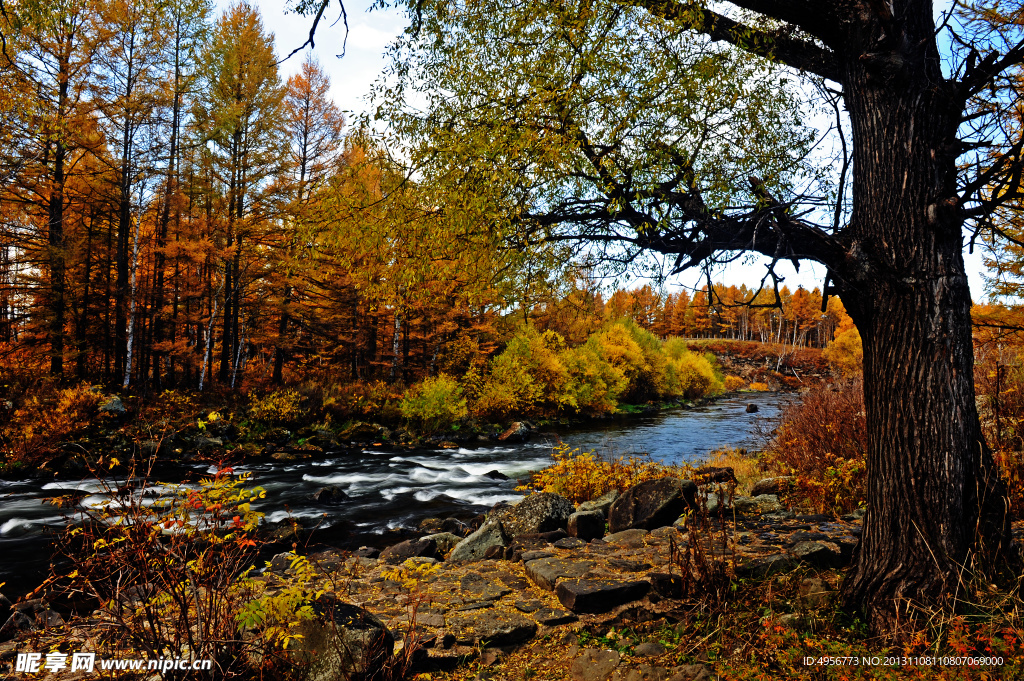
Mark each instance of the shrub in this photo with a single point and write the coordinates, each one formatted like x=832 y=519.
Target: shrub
x=435 y=404
x=693 y=376
x=44 y=421
x=618 y=346
x=508 y=389
x=822 y=440
x=733 y=383
x=594 y=385
x=582 y=476
x=759 y=387
x=378 y=399
x=169 y=574
x=278 y=407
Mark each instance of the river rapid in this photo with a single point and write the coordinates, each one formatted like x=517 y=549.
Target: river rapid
x=388 y=492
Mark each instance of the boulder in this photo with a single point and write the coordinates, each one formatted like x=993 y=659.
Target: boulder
x=717 y=504
x=496 y=475
x=517 y=432
x=330 y=495
x=545 y=572
x=17 y=623
x=542 y=512
x=814 y=592
x=113 y=405
x=598 y=595
x=820 y=554
x=446 y=541
x=411 y=548
x=652 y=504
x=364 y=432
x=752 y=408
x=649 y=649
x=666 y=585
x=594 y=665
x=204 y=443
x=692 y=672
x=602 y=503
x=344 y=641
x=631 y=539
x=474 y=547
x=769 y=565
x=493 y=628
x=586 y=525
x=708 y=475
x=759 y=505
x=776 y=485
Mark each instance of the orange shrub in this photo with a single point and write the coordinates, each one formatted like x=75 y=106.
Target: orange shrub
x=733 y=383
x=822 y=440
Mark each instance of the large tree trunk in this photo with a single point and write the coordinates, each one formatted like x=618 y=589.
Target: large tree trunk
x=936 y=505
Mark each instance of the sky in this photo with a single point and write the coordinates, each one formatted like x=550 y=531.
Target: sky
x=352 y=76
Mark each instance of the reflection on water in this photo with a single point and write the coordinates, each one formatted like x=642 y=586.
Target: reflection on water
x=387 y=490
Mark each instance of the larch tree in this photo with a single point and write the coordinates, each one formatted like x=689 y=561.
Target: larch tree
x=694 y=152
x=241 y=114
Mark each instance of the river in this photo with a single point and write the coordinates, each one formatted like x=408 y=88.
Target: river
x=391 y=491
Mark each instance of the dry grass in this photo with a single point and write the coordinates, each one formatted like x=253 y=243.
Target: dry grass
x=747 y=468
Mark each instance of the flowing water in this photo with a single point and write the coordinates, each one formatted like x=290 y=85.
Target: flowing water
x=390 y=491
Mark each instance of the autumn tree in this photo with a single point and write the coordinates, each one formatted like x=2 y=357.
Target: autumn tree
x=586 y=145
x=241 y=112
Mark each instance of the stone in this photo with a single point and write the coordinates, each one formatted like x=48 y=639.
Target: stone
x=553 y=617
x=643 y=672
x=632 y=539
x=204 y=443
x=330 y=495
x=752 y=408
x=626 y=565
x=759 y=505
x=363 y=432
x=598 y=595
x=569 y=543
x=113 y=405
x=768 y=565
x=496 y=475
x=692 y=672
x=481 y=588
x=666 y=585
x=366 y=552
x=542 y=512
x=495 y=629
x=49 y=619
x=796 y=622
x=536 y=555
x=545 y=572
x=528 y=606
x=410 y=548
x=446 y=541
x=517 y=432
x=814 y=592
x=652 y=504
x=602 y=503
x=586 y=525
x=474 y=547
x=819 y=554
x=282 y=562
x=649 y=649
x=707 y=475
x=17 y=623
x=344 y=641
x=776 y=485
x=717 y=504
x=594 y=665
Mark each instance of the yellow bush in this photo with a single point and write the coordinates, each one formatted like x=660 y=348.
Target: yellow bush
x=435 y=404
x=581 y=476
x=759 y=387
x=280 y=406
x=594 y=385
x=693 y=376
x=36 y=429
x=733 y=383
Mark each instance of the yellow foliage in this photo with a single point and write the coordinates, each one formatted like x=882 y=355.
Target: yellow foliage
x=845 y=354
x=280 y=406
x=435 y=404
x=759 y=387
x=733 y=383
x=581 y=476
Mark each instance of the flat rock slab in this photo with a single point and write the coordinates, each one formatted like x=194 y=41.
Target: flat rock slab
x=494 y=628
x=482 y=588
x=545 y=572
x=552 y=617
x=632 y=539
x=822 y=554
x=594 y=665
x=598 y=595
x=769 y=565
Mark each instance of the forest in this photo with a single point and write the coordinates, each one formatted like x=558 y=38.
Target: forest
x=209 y=269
